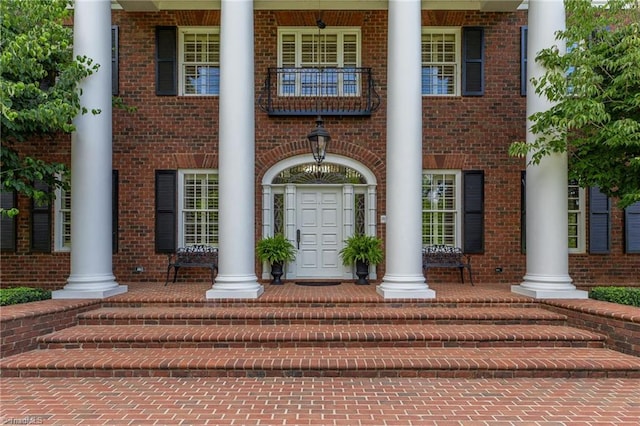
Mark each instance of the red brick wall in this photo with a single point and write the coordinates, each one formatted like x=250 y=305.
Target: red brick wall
x=168 y=132
x=21 y=325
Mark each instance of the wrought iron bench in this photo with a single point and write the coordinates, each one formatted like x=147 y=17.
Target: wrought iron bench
x=441 y=256
x=196 y=256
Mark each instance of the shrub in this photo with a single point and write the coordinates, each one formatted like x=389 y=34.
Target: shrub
x=13 y=296
x=621 y=295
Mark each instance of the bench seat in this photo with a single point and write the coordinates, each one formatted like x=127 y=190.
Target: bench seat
x=443 y=256
x=196 y=256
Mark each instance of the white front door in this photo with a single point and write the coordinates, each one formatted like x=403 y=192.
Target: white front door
x=319 y=232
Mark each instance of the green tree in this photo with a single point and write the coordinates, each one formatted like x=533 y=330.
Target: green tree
x=595 y=87
x=38 y=88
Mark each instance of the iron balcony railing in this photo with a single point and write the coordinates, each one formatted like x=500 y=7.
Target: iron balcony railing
x=324 y=91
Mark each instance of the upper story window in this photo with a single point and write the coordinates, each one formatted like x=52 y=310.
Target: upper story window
x=199 y=61
x=319 y=63
x=441 y=61
x=441 y=208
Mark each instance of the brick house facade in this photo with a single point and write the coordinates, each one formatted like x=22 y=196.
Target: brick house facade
x=460 y=133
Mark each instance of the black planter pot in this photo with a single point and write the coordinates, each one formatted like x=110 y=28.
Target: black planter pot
x=276 y=273
x=362 y=271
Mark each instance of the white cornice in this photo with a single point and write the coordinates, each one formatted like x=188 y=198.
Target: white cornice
x=156 y=5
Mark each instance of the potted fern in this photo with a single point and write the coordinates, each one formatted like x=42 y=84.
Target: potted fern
x=362 y=251
x=276 y=250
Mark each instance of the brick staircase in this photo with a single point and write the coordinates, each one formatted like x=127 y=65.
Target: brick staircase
x=321 y=339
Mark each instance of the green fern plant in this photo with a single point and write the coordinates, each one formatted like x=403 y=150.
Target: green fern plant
x=364 y=248
x=276 y=249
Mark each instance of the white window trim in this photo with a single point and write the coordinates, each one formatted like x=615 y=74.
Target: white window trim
x=181 y=175
x=181 y=78
x=458 y=51
x=58 y=224
x=581 y=224
x=458 y=210
x=340 y=31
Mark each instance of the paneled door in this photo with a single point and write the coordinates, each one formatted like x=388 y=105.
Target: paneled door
x=319 y=232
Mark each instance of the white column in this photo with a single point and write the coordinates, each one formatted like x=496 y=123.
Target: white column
x=91 y=150
x=237 y=278
x=546 y=184
x=404 y=277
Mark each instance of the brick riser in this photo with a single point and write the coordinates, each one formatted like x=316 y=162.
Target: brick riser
x=314 y=316
x=335 y=362
x=322 y=303
x=324 y=336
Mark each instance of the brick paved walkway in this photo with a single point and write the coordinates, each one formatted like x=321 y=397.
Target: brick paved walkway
x=309 y=401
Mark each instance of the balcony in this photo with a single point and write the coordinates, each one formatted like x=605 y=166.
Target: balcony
x=325 y=91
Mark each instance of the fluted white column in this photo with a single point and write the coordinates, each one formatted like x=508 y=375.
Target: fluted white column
x=236 y=278
x=91 y=151
x=404 y=277
x=547 y=273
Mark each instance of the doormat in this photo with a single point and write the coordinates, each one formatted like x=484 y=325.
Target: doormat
x=318 y=283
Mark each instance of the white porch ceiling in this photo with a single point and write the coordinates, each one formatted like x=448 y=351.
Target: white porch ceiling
x=155 y=5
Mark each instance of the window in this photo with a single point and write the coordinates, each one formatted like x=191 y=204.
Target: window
x=319 y=64
x=576 y=218
x=198 y=206
x=440 y=61
x=453 y=61
x=199 y=61
x=441 y=208
x=63 y=220
x=278 y=214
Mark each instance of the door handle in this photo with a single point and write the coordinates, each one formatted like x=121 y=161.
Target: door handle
x=298 y=238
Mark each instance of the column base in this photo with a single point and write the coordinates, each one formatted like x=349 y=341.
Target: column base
x=550 y=294
x=90 y=286
x=405 y=288
x=89 y=294
x=549 y=287
x=246 y=287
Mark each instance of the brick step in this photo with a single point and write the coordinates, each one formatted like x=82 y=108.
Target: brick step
x=323 y=362
x=283 y=336
x=317 y=315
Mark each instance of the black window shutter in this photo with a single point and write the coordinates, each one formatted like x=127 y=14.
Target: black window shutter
x=114 y=211
x=166 y=61
x=473 y=61
x=524 y=32
x=8 y=200
x=599 y=222
x=114 y=60
x=166 y=211
x=41 y=222
x=632 y=228
x=473 y=211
